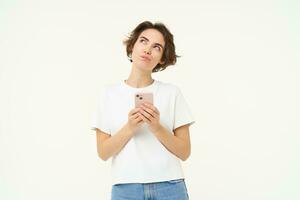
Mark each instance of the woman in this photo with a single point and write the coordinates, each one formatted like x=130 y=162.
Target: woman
x=147 y=142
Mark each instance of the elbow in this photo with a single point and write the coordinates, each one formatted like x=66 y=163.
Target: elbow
x=102 y=156
x=185 y=157
x=185 y=150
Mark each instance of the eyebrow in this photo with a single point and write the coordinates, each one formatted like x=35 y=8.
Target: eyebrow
x=154 y=43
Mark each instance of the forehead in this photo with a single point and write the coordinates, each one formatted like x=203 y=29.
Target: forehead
x=153 y=35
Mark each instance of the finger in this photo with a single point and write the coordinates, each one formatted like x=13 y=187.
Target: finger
x=147 y=110
x=152 y=107
x=146 y=114
x=141 y=118
x=155 y=115
x=145 y=119
x=135 y=116
x=134 y=111
x=138 y=120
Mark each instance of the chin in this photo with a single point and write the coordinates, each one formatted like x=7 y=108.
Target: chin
x=144 y=67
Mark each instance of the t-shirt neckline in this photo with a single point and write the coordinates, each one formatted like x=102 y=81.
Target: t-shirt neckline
x=142 y=88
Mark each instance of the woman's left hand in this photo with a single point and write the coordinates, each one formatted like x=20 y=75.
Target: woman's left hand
x=151 y=116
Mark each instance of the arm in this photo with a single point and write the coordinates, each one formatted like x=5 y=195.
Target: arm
x=179 y=143
x=108 y=145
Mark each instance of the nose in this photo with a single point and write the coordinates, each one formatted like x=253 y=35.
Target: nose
x=147 y=50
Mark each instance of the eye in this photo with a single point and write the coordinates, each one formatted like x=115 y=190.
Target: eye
x=157 y=48
x=143 y=40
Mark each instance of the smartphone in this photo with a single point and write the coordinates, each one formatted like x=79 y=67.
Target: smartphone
x=141 y=98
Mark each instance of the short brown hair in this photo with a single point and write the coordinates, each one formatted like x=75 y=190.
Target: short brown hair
x=169 y=56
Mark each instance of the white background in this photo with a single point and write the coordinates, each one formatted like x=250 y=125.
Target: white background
x=239 y=72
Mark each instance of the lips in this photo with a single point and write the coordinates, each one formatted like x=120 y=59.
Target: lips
x=145 y=58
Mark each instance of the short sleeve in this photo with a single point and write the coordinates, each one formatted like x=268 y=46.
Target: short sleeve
x=182 y=112
x=99 y=115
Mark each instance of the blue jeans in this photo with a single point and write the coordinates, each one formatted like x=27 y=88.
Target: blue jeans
x=167 y=190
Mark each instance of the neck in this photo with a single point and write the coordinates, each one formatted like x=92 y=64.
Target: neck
x=139 y=79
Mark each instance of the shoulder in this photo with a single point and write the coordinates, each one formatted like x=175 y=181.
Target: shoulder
x=102 y=92
x=171 y=87
x=109 y=87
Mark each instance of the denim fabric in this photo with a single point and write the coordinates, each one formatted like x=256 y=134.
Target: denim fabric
x=167 y=190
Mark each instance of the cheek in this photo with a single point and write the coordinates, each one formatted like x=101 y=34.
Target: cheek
x=133 y=52
x=136 y=50
x=138 y=46
x=158 y=57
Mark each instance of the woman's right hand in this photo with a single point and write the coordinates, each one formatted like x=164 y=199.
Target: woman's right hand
x=134 y=119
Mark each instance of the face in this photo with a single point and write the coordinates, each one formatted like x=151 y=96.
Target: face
x=148 y=49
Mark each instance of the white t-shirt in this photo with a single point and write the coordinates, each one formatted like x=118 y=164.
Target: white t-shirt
x=144 y=158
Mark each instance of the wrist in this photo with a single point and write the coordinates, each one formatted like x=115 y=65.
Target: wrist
x=158 y=129
x=128 y=129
